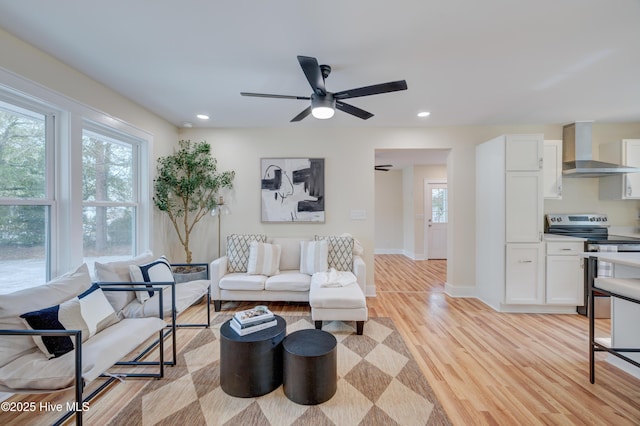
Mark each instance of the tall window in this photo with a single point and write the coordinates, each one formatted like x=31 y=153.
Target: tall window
x=73 y=187
x=109 y=195
x=26 y=195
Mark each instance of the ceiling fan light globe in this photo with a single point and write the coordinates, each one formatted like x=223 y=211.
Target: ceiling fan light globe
x=322 y=113
x=323 y=107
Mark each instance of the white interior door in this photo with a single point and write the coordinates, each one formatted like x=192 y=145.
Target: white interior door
x=437 y=217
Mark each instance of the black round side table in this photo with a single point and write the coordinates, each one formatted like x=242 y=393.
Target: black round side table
x=251 y=365
x=310 y=366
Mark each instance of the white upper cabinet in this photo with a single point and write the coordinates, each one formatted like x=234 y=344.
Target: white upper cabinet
x=524 y=153
x=624 y=186
x=552 y=170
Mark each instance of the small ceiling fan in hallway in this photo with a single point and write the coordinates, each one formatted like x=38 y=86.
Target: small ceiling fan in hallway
x=324 y=103
x=383 y=167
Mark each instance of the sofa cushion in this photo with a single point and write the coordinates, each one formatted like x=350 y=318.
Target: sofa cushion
x=89 y=312
x=33 y=371
x=347 y=297
x=313 y=256
x=288 y=281
x=242 y=281
x=158 y=271
x=118 y=272
x=340 y=254
x=264 y=259
x=290 y=253
x=187 y=293
x=238 y=250
x=12 y=305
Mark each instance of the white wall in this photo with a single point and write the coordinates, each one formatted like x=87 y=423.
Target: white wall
x=388 y=212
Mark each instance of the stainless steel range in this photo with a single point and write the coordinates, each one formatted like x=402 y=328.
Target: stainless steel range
x=594 y=227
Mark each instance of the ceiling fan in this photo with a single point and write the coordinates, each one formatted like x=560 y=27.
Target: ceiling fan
x=383 y=167
x=324 y=103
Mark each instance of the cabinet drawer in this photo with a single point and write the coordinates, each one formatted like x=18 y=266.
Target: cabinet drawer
x=562 y=248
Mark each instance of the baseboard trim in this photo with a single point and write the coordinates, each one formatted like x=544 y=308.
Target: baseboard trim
x=459 y=291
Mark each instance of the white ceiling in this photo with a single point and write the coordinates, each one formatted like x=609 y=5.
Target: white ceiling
x=468 y=62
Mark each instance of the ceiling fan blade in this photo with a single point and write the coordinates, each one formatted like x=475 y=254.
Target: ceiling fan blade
x=380 y=169
x=312 y=72
x=266 y=95
x=384 y=165
x=376 y=89
x=350 y=109
x=302 y=115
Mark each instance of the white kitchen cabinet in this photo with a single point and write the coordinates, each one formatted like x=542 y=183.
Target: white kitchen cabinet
x=552 y=170
x=624 y=186
x=524 y=274
x=509 y=223
x=523 y=153
x=564 y=274
x=524 y=207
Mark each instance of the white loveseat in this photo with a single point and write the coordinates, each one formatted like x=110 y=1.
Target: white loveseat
x=291 y=283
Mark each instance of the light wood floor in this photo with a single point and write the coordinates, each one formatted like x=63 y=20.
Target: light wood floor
x=486 y=368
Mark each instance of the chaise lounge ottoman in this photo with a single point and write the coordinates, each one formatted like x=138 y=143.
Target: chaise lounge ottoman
x=342 y=301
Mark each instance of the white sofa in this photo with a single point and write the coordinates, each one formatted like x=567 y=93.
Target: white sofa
x=290 y=284
x=86 y=323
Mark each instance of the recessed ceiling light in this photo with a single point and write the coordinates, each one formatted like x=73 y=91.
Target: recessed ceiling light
x=423 y=114
x=187 y=124
x=203 y=116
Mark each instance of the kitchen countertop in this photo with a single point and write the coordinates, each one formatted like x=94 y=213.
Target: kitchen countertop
x=624 y=258
x=624 y=231
x=562 y=238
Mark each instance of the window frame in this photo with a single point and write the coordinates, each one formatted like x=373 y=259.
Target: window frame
x=63 y=179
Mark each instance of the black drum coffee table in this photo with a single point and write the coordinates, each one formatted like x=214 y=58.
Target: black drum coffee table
x=251 y=365
x=310 y=366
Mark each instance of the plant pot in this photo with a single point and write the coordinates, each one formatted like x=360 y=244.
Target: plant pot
x=183 y=274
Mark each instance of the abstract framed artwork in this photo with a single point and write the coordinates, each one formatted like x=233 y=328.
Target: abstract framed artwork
x=292 y=190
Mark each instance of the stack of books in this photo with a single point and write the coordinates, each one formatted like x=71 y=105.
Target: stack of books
x=252 y=320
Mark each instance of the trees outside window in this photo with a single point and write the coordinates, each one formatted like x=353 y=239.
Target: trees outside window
x=41 y=234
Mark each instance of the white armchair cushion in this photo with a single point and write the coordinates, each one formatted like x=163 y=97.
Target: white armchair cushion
x=157 y=271
x=119 y=272
x=12 y=305
x=89 y=312
x=313 y=256
x=264 y=259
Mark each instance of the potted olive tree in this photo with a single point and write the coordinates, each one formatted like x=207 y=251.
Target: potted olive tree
x=187 y=188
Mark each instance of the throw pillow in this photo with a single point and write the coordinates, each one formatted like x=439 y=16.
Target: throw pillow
x=158 y=271
x=238 y=250
x=89 y=312
x=313 y=257
x=340 y=254
x=264 y=259
x=118 y=271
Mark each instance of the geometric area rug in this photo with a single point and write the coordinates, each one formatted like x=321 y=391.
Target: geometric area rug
x=379 y=383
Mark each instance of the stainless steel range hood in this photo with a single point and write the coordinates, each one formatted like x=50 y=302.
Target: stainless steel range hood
x=577 y=154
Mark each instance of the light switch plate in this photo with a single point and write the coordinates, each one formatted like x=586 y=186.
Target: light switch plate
x=358 y=215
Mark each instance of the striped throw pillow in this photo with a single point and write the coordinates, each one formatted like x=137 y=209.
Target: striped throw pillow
x=264 y=259
x=313 y=257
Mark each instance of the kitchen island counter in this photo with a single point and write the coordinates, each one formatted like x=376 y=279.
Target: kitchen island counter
x=625 y=315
